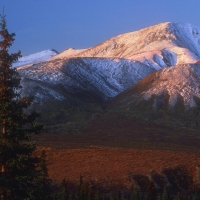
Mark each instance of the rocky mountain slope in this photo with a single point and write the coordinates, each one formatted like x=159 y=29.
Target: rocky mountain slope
x=168 y=96
x=114 y=65
x=102 y=77
x=85 y=78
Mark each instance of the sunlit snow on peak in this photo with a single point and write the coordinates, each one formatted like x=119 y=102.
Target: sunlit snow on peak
x=35 y=58
x=180 y=80
x=71 y=52
x=114 y=65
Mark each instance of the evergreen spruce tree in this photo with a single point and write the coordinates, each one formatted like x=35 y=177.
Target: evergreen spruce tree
x=83 y=190
x=196 y=194
x=18 y=167
x=43 y=181
x=151 y=193
x=91 y=193
x=136 y=194
x=97 y=196
x=63 y=195
x=165 y=195
x=178 y=197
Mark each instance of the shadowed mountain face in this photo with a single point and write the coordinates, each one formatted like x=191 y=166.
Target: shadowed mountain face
x=103 y=77
x=80 y=81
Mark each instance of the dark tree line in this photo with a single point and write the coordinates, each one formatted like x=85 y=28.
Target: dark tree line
x=173 y=183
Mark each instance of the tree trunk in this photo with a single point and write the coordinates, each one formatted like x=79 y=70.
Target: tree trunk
x=3 y=196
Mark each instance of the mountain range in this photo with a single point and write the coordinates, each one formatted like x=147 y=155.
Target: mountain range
x=152 y=74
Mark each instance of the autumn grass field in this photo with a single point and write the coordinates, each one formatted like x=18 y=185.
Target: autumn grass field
x=112 y=147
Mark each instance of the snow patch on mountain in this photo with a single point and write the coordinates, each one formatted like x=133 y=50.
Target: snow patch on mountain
x=186 y=36
x=35 y=58
x=159 y=60
x=169 y=57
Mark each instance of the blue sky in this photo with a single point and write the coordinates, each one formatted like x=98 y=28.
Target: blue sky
x=60 y=24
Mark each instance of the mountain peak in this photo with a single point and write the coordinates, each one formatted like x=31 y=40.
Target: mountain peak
x=146 y=45
x=35 y=57
x=70 y=52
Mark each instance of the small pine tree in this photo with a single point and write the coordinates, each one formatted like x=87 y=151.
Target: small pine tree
x=119 y=195
x=178 y=197
x=196 y=194
x=136 y=194
x=82 y=193
x=63 y=195
x=18 y=167
x=165 y=195
x=43 y=181
x=91 y=193
x=96 y=196
x=151 y=192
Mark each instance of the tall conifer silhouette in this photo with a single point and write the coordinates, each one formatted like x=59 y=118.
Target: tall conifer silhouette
x=18 y=168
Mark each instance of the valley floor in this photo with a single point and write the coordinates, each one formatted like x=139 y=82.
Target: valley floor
x=113 y=147
x=113 y=165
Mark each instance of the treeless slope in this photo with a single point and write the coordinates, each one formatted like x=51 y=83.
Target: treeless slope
x=113 y=146
x=113 y=165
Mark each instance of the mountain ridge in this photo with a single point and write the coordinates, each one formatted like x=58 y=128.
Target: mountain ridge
x=153 y=38
x=92 y=76
x=35 y=57
x=165 y=57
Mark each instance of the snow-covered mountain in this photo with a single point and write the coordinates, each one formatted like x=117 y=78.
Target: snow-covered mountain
x=102 y=76
x=159 y=46
x=35 y=58
x=114 y=65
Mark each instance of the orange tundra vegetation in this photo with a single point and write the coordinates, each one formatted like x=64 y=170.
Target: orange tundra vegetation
x=105 y=152
x=113 y=165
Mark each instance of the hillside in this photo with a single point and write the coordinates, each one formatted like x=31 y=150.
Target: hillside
x=169 y=96
x=80 y=80
x=114 y=65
